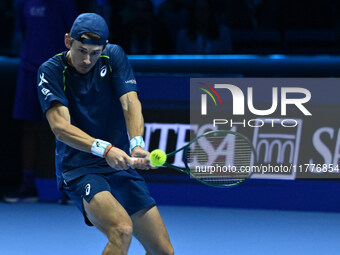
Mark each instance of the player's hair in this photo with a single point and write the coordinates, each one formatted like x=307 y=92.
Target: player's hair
x=87 y=35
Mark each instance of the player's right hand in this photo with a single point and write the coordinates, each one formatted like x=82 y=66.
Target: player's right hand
x=118 y=159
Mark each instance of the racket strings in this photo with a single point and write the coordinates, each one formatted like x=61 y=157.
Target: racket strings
x=220 y=159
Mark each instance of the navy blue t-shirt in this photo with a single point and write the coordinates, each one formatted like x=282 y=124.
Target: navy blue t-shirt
x=93 y=103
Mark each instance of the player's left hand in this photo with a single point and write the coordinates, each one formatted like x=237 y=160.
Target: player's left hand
x=143 y=161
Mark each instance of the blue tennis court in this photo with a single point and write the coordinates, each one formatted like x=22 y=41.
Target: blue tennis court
x=50 y=228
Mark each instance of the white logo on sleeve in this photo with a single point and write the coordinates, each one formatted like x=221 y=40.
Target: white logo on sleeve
x=132 y=81
x=42 y=79
x=103 y=71
x=46 y=92
x=87 y=189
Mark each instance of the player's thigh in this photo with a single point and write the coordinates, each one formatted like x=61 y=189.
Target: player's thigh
x=150 y=230
x=105 y=212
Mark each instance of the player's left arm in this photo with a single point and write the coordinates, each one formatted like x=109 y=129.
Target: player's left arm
x=132 y=109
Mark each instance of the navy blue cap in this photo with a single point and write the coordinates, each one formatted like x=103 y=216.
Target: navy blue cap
x=91 y=23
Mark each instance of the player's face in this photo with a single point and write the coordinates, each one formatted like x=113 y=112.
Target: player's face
x=84 y=56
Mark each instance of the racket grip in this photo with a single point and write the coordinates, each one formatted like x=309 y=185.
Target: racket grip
x=133 y=159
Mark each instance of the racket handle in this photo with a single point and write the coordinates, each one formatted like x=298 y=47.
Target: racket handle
x=133 y=159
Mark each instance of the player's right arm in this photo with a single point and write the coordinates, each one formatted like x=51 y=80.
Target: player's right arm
x=58 y=117
x=54 y=103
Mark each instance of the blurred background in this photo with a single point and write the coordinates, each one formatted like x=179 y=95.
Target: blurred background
x=167 y=42
x=221 y=26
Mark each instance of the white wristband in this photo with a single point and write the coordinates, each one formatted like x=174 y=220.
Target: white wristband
x=136 y=141
x=98 y=147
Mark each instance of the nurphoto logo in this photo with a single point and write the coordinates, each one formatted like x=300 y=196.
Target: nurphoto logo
x=239 y=101
x=218 y=96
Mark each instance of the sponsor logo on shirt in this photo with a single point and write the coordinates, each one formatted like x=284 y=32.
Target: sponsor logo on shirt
x=132 y=81
x=103 y=71
x=42 y=79
x=46 y=92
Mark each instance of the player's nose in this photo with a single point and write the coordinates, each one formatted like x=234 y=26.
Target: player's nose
x=87 y=60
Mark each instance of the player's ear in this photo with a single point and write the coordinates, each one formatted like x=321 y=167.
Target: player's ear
x=67 y=41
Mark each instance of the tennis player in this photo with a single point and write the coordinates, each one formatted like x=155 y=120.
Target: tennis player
x=89 y=96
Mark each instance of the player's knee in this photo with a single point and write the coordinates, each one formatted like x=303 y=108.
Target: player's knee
x=122 y=232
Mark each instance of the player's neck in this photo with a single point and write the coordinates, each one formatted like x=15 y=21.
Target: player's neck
x=68 y=58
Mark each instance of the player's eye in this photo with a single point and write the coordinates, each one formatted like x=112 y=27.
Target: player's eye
x=82 y=51
x=95 y=53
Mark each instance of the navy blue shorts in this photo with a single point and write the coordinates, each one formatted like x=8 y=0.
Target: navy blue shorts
x=26 y=104
x=128 y=187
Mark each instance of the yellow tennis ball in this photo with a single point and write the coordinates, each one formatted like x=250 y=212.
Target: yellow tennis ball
x=157 y=157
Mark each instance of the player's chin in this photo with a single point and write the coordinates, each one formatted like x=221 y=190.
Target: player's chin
x=83 y=69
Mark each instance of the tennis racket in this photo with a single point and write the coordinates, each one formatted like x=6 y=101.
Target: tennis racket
x=220 y=158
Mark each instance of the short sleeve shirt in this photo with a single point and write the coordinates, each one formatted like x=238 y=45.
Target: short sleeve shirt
x=93 y=102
